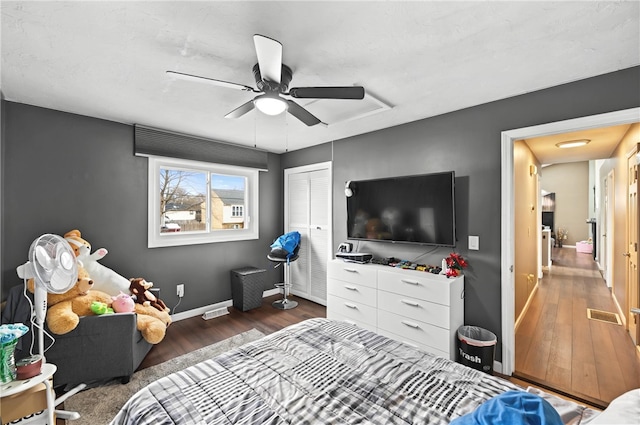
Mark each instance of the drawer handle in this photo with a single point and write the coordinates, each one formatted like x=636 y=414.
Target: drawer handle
x=411 y=282
x=411 y=303
x=410 y=324
x=351 y=305
x=351 y=288
x=350 y=270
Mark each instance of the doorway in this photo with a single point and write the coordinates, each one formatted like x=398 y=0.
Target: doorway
x=508 y=219
x=307 y=209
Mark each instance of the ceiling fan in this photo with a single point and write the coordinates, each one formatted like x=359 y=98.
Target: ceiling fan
x=272 y=81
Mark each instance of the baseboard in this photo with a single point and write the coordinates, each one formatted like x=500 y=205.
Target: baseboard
x=274 y=291
x=497 y=366
x=201 y=310
x=621 y=313
x=525 y=308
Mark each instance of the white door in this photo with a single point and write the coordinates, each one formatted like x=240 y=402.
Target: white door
x=632 y=246
x=308 y=210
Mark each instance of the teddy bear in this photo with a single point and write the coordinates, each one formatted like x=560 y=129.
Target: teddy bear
x=140 y=289
x=63 y=314
x=64 y=310
x=104 y=278
x=152 y=323
x=78 y=245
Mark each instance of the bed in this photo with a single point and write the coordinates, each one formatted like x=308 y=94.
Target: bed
x=320 y=371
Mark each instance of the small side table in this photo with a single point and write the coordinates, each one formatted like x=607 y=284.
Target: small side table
x=18 y=386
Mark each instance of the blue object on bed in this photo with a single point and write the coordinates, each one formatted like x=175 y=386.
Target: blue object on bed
x=513 y=408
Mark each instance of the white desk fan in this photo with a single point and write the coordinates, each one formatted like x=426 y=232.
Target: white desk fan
x=53 y=267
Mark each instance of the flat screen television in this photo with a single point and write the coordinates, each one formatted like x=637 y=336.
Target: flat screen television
x=416 y=209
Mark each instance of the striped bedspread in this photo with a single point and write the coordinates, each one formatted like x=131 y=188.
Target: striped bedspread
x=315 y=372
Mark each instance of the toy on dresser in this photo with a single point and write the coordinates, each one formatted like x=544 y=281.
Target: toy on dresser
x=406 y=265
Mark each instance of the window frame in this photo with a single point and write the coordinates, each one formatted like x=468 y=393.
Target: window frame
x=157 y=239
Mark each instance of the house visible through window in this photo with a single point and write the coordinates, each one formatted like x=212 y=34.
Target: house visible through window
x=227 y=201
x=192 y=202
x=236 y=211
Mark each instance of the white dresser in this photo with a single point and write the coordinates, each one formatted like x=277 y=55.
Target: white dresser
x=418 y=308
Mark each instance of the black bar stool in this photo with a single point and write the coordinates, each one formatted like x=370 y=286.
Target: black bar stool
x=285 y=303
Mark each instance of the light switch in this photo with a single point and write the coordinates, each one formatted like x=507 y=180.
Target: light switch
x=474 y=242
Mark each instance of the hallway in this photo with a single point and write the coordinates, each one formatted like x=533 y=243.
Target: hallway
x=558 y=347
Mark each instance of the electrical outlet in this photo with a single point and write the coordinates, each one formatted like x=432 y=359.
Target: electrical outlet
x=180 y=290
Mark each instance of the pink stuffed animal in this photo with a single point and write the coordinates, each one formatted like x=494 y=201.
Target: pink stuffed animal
x=123 y=303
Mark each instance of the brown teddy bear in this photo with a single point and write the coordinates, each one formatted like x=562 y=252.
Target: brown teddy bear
x=152 y=323
x=140 y=289
x=64 y=310
x=153 y=314
x=80 y=246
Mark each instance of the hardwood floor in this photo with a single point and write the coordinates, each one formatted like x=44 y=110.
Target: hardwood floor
x=559 y=348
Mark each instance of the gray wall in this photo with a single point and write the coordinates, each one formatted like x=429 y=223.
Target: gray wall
x=64 y=171
x=469 y=143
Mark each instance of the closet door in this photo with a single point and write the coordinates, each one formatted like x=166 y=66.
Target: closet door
x=308 y=210
x=297 y=194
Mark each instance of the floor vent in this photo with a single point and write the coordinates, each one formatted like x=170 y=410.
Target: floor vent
x=603 y=316
x=211 y=314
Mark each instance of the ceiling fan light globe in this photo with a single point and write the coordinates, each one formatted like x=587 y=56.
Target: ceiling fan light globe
x=270 y=105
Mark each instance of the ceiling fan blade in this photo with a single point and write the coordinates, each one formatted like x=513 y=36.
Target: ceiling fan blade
x=241 y=110
x=354 y=92
x=269 y=52
x=218 y=83
x=302 y=114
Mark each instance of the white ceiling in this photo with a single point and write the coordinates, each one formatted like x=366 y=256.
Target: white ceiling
x=108 y=59
x=602 y=143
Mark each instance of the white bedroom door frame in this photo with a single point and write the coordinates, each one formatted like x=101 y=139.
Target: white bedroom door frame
x=609 y=228
x=314 y=220
x=509 y=137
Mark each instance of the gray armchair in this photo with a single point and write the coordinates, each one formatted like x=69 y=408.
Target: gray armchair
x=100 y=348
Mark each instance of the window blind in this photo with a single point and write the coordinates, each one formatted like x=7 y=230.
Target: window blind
x=151 y=141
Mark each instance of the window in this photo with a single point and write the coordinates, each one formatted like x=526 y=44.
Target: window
x=237 y=211
x=193 y=202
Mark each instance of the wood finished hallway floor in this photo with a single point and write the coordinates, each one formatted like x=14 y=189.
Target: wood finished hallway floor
x=558 y=347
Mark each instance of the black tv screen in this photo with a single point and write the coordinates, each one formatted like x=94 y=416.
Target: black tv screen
x=412 y=209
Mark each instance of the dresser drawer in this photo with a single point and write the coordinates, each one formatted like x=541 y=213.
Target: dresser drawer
x=363 y=274
x=433 y=288
x=415 y=309
x=414 y=330
x=340 y=307
x=352 y=291
x=415 y=344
